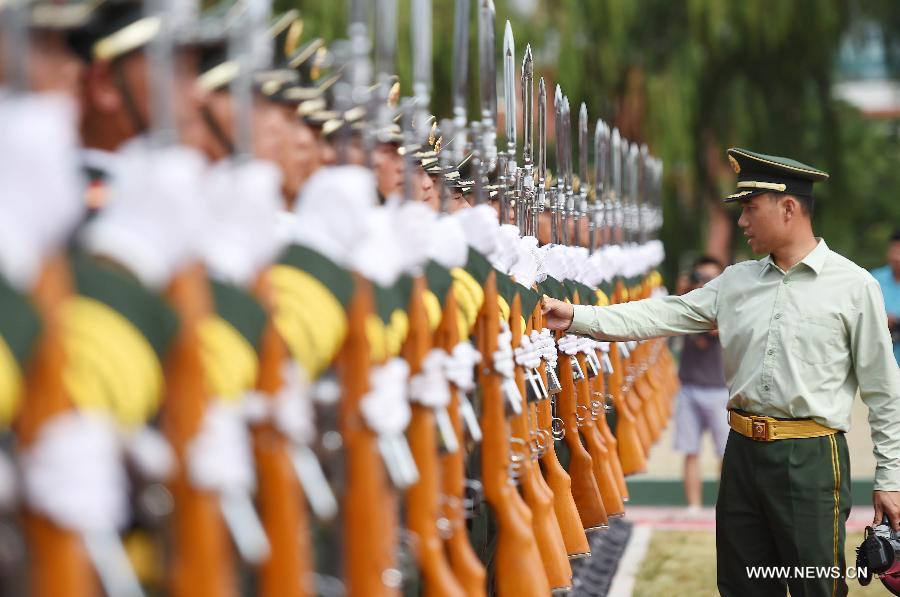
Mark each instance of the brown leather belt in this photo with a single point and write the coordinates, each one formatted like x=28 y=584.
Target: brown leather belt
x=767 y=429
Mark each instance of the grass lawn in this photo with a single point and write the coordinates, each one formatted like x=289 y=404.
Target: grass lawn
x=684 y=563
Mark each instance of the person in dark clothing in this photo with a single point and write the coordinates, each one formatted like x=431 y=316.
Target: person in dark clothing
x=701 y=404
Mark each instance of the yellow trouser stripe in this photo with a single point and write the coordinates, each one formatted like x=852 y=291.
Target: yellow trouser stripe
x=836 y=469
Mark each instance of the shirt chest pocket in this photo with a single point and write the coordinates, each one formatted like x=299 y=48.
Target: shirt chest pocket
x=818 y=340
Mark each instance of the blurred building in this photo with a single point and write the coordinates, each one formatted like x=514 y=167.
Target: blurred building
x=866 y=76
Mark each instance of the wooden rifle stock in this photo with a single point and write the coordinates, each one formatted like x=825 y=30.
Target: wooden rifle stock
x=581 y=466
x=467 y=568
x=634 y=459
x=203 y=560
x=517 y=561
x=610 y=440
x=648 y=385
x=367 y=552
x=58 y=562
x=537 y=494
x=282 y=506
x=593 y=441
x=646 y=395
x=423 y=498
x=606 y=481
x=656 y=379
x=644 y=427
x=558 y=480
x=631 y=448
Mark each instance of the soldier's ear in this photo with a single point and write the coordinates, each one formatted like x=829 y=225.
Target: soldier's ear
x=100 y=87
x=789 y=206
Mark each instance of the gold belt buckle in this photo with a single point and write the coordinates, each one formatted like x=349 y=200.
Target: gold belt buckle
x=760 y=429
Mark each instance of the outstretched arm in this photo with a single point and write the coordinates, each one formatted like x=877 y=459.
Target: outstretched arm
x=693 y=312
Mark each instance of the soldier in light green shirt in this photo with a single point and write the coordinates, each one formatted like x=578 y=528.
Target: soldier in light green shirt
x=801 y=330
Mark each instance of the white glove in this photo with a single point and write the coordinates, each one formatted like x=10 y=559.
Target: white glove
x=385 y=407
x=74 y=474
x=447 y=245
x=377 y=255
x=244 y=201
x=39 y=197
x=220 y=457
x=414 y=229
x=481 y=227
x=333 y=210
x=155 y=217
x=506 y=253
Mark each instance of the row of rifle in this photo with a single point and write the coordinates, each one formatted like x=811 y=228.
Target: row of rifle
x=267 y=329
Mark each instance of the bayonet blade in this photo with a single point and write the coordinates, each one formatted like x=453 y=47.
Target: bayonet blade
x=616 y=155
x=14 y=19
x=460 y=62
x=598 y=160
x=488 y=75
x=542 y=133
x=567 y=135
x=509 y=86
x=444 y=159
x=557 y=204
x=527 y=107
x=488 y=61
x=386 y=43
x=540 y=195
x=421 y=44
x=645 y=169
x=583 y=148
x=569 y=204
x=361 y=68
x=560 y=134
x=477 y=164
x=357 y=12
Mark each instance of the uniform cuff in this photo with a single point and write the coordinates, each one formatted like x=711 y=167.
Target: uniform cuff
x=886 y=479
x=582 y=320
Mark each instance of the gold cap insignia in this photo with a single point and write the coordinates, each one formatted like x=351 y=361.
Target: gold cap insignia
x=292 y=40
x=394 y=95
x=734 y=164
x=318 y=62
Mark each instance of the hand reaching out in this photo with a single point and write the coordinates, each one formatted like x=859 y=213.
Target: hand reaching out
x=558 y=313
x=887 y=503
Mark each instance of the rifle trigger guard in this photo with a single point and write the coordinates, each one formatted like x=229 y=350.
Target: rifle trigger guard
x=579 y=420
x=558 y=428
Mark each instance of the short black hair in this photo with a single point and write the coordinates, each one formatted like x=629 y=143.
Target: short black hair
x=807 y=202
x=895 y=237
x=707 y=260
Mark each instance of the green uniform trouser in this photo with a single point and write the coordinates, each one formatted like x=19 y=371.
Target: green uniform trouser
x=783 y=504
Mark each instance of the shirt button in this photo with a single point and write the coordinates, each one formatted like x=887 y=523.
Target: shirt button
x=785 y=281
x=770 y=351
x=766 y=388
x=778 y=316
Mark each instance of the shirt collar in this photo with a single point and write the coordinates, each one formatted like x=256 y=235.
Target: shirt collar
x=814 y=260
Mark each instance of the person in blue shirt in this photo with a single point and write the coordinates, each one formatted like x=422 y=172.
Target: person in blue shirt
x=888 y=277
